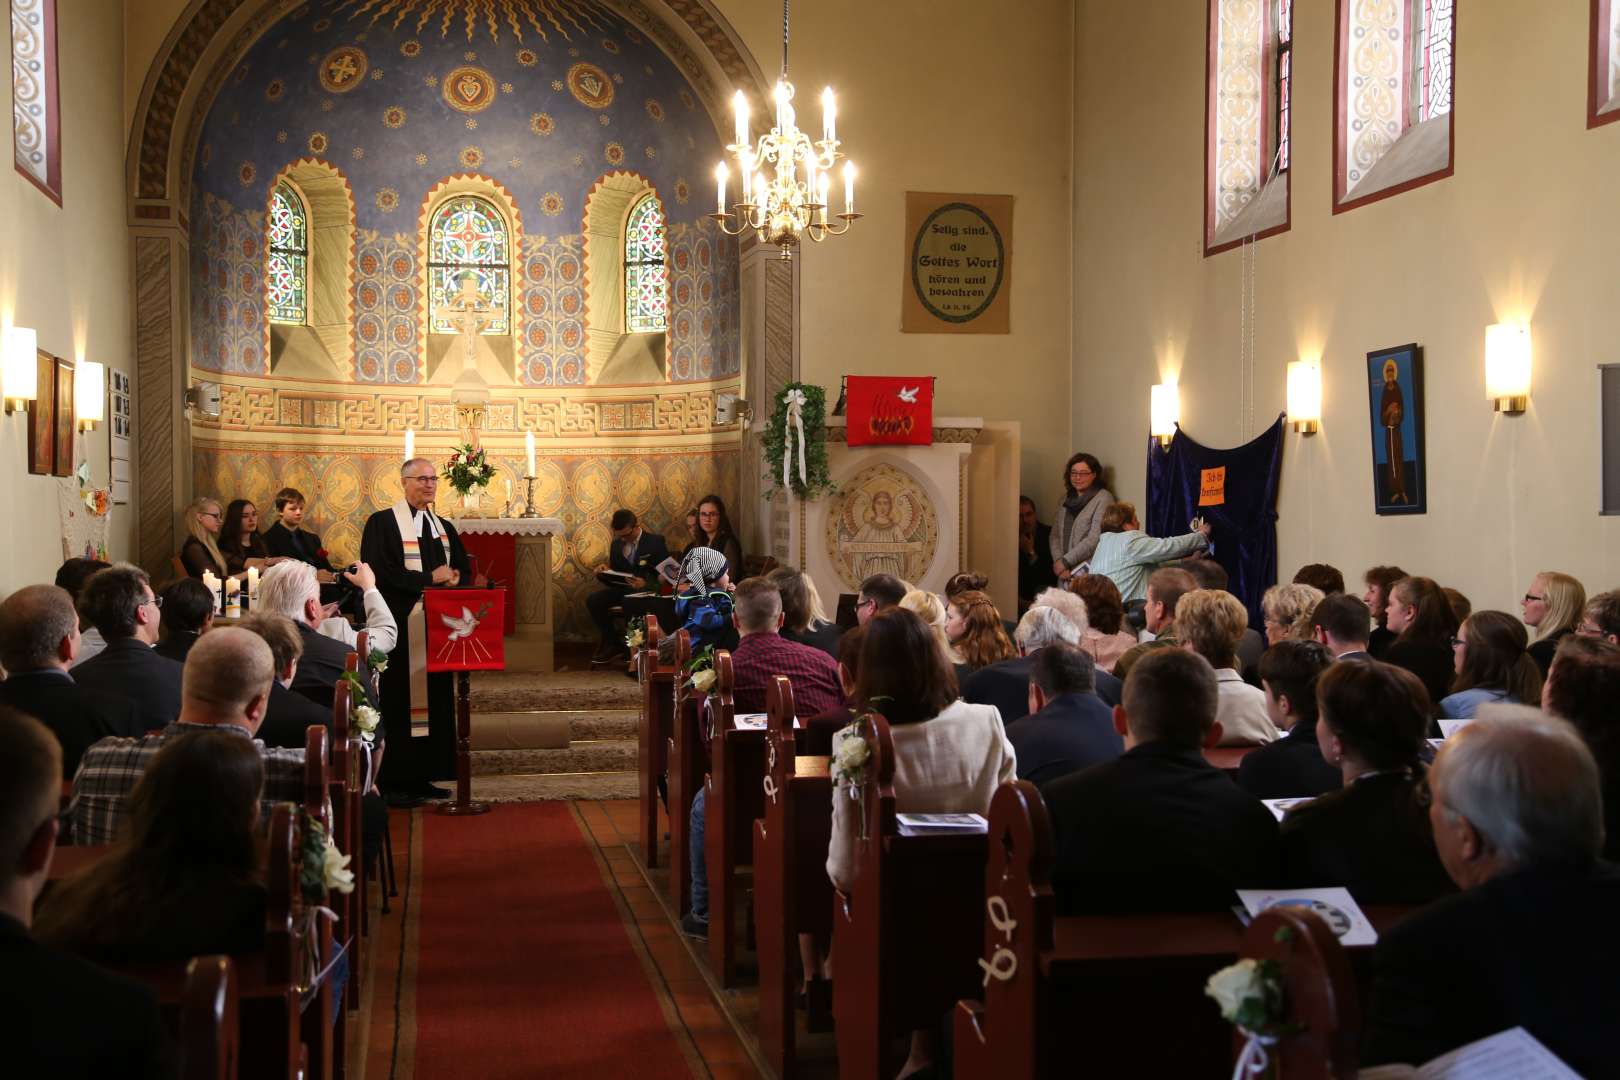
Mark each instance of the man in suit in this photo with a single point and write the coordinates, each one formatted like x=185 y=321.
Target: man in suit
x=64 y=1017
x=1292 y=766
x=878 y=592
x=290 y=715
x=188 y=610
x=227 y=686
x=120 y=603
x=39 y=638
x=1034 y=549
x=289 y=539
x=411 y=549
x=1068 y=727
x=290 y=589
x=1341 y=623
x=636 y=553
x=1531 y=940
x=1005 y=684
x=1159 y=828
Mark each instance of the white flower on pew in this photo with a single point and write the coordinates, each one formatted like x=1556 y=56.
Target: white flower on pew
x=335 y=869
x=1233 y=986
x=850 y=755
x=703 y=680
x=366 y=721
x=1250 y=995
x=634 y=638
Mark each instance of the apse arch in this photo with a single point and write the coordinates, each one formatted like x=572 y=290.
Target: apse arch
x=433 y=345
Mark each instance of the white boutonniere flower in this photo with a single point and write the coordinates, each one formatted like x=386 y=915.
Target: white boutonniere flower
x=335 y=869
x=703 y=680
x=851 y=752
x=366 y=720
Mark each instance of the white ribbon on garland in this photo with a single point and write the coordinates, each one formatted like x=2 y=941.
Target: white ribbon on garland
x=795 y=400
x=1254 y=1060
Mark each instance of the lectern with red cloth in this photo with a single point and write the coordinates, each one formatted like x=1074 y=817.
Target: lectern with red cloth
x=889 y=409
x=465 y=633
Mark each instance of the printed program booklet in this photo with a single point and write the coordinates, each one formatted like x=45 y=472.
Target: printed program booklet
x=1334 y=906
x=1514 y=1054
x=919 y=824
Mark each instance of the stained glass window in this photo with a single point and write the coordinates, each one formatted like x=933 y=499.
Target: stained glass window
x=1285 y=64
x=646 y=279
x=1431 y=82
x=469 y=236
x=287 y=270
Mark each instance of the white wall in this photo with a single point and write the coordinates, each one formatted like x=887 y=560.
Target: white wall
x=1525 y=229
x=65 y=272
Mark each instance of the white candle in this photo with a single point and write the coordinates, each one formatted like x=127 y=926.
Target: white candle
x=410 y=443
x=739 y=106
x=781 y=106
x=760 y=196
x=849 y=187
x=720 y=173
x=211 y=583
x=829 y=115
x=508 y=489
x=253 y=581
x=824 y=187
x=528 y=450
x=233 y=598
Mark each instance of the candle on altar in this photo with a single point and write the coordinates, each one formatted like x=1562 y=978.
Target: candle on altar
x=253 y=582
x=211 y=583
x=410 y=443
x=508 y=489
x=528 y=449
x=233 y=598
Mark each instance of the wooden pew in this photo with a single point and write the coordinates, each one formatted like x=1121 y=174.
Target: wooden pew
x=792 y=895
x=1321 y=990
x=657 y=698
x=1120 y=975
x=344 y=787
x=323 y=1037
x=210 y=1028
x=684 y=752
x=734 y=801
x=899 y=961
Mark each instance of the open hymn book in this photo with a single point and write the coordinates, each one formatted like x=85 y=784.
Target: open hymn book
x=1514 y=1054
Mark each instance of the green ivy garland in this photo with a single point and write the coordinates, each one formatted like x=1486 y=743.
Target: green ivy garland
x=817 y=480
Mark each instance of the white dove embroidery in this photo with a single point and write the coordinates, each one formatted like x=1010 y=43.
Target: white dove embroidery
x=908 y=394
x=462 y=627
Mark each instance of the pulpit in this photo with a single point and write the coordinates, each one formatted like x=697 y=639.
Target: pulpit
x=920 y=513
x=518 y=551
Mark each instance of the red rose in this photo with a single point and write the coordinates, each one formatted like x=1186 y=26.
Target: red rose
x=321 y=553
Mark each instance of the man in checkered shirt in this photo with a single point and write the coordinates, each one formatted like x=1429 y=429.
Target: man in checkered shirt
x=226 y=686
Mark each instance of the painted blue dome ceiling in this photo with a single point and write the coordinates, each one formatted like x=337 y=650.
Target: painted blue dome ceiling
x=542 y=97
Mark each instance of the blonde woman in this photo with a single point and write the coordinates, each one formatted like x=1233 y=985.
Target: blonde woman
x=927 y=607
x=1552 y=606
x=200 y=552
x=1288 y=610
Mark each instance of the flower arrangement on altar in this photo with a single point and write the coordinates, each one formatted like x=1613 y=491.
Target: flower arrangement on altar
x=469 y=469
x=700 y=670
x=796 y=442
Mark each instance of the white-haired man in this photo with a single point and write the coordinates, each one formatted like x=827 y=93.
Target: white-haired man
x=412 y=549
x=1532 y=940
x=1005 y=684
x=291 y=588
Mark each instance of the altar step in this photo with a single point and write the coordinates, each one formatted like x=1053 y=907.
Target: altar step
x=582 y=756
x=565 y=735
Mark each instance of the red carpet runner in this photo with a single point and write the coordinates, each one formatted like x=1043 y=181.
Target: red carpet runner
x=524 y=967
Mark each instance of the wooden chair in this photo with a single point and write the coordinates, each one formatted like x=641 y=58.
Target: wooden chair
x=792 y=894
x=210 y=1029
x=657 y=699
x=734 y=801
x=899 y=963
x=684 y=753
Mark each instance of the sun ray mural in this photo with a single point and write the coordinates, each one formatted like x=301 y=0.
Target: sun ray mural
x=583 y=15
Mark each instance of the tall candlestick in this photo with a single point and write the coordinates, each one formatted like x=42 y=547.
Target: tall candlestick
x=824 y=186
x=410 y=443
x=528 y=449
x=720 y=174
x=849 y=187
x=829 y=115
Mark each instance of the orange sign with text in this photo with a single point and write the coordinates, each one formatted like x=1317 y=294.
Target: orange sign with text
x=1212 y=486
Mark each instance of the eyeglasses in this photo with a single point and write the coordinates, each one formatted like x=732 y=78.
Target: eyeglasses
x=211 y=513
x=1081 y=472
x=155 y=601
x=1532 y=596
x=422 y=479
x=865 y=603
x=1457 y=642
x=1586 y=629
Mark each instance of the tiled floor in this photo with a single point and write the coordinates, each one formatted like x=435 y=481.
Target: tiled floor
x=612 y=825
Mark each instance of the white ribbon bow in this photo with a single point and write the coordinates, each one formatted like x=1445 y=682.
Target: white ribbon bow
x=1254 y=1060
x=795 y=407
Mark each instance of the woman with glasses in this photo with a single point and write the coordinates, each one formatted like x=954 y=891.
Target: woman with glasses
x=1493 y=664
x=1079 y=519
x=714 y=531
x=201 y=551
x=1552 y=607
x=1373 y=835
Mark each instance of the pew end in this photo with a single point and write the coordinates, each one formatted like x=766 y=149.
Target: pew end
x=210 y=1028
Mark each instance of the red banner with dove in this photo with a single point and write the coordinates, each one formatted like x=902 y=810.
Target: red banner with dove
x=465 y=629
x=889 y=409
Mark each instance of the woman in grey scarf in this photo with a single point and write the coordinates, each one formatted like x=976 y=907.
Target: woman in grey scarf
x=1079 y=518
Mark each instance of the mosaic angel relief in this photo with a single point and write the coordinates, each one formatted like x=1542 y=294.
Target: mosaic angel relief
x=882 y=522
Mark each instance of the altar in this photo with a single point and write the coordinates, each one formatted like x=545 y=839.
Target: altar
x=921 y=513
x=518 y=552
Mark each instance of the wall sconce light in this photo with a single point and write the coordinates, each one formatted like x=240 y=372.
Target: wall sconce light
x=1507 y=366
x=1305 y=396
x=89 y=394
x=1164 y=412
x=203 y=400
x=19 y=370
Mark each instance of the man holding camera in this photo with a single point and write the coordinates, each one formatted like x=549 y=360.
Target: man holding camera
x=410 y=548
